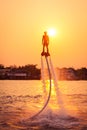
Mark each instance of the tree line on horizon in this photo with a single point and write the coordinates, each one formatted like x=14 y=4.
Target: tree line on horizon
x=31 y=71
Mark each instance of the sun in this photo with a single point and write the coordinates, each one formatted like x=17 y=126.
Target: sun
x=51 y=32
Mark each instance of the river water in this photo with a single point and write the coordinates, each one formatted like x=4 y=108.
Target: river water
x=21 y=99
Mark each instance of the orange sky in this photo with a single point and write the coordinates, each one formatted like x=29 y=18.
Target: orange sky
x=22 y=23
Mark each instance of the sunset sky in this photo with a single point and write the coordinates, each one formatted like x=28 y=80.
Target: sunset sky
x=23 y=22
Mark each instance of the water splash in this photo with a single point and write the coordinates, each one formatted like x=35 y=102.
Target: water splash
x=52 y=120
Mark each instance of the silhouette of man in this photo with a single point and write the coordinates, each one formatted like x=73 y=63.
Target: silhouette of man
x=45 y=42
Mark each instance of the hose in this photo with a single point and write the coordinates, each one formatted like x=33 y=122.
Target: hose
x=48 y=67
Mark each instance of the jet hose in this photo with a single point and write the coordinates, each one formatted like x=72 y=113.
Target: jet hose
x=50 y=86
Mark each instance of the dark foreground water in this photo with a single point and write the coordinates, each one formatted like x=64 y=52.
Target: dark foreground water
x=20 y=100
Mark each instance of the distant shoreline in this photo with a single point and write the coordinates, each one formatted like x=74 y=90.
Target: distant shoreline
x=58 y=79
x=31 y=72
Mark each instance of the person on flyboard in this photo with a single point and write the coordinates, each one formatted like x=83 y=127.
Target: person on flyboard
x=45 y=42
